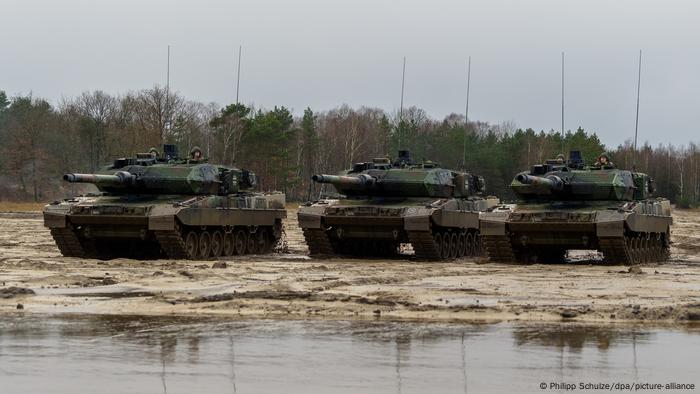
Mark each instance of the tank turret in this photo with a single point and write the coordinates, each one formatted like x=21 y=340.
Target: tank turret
x=169 y=178
x=573 y=181
x=424 y=180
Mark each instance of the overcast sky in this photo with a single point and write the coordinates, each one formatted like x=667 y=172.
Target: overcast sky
x=326 y=53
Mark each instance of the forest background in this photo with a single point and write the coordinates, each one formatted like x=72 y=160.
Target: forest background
x=41 y=142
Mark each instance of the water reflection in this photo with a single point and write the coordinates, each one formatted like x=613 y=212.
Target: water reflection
x=574 y=337
x=172 y=355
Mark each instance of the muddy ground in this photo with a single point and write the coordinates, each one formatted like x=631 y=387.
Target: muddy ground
x=35 y=278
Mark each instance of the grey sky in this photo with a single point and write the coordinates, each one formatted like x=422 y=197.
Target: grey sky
x=325 y=53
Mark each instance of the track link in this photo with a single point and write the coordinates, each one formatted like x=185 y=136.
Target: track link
x=615 y=250
x=499 y=248
x=172 y=244
x=423 y=244
x=318 y=242
x=70 y=244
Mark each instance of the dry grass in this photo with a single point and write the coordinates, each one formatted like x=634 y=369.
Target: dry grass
x=6 y=206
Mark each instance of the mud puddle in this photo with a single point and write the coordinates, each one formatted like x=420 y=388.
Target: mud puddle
x=116 y=354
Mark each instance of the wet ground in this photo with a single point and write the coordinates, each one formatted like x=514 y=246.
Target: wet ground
x=35 y=277
x=116 y=354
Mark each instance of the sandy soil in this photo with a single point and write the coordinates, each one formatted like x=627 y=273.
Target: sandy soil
x=292 y=285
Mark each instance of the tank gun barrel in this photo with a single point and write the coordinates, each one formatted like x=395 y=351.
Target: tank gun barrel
x=355 y=181
x=552 y=182
x=120 y=178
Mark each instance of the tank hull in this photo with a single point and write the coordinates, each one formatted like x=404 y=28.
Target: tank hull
x=170 y=226
x=436 y=228
x=624 y=232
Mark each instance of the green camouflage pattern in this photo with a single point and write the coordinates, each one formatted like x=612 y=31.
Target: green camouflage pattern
x=379 y=206
x=149 y=208
x=565 y=206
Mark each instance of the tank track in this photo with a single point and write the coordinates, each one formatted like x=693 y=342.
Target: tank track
x=70 y=245
x=172 y=244
x=318 y=242
x=498 y=248
x=635 y=249
x=615 y=250
x=627 y=250
x=424 y=245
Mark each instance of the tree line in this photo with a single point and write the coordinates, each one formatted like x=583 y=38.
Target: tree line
x=40 y=142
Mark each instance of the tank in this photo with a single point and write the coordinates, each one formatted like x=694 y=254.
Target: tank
x=381 y=205
x=180 y=209
x=566 y=205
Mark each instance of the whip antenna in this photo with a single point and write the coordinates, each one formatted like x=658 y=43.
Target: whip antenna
x=466 y=114
x=636 y=122
x=562 y=102
x=403 y=79
x=238 y=77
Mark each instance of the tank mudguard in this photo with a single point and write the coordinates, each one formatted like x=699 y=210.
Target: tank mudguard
x=54 y=220
x=310 y=216
x=610 y=223
x=417 y=219
x=162 y=217
x=648 y=223
x=55 y=215
x=493 y=223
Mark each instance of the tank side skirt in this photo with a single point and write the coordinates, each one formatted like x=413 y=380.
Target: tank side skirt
x=228 y=217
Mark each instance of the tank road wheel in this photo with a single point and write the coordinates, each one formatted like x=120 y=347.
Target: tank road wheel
x=192 y=244
x=217 y=243
x=229 y=244
x=240 y=241
x=204 y=245
x=446 y=246
x=462 y=245
x=262 y=241
x=469 y=244
x=454 y=246
x=251 y=246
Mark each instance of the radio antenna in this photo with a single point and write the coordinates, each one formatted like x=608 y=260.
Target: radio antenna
x=403 y=79
x=636 y=122
x=238 y=77
x=562 y=102
x=466 y=114
x=167 y=97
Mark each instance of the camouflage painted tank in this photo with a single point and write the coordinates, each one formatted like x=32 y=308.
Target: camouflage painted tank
x=383 y=205
x=149 y=207
x=567 y=205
